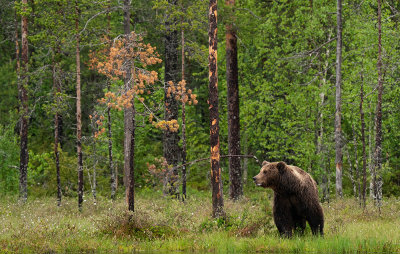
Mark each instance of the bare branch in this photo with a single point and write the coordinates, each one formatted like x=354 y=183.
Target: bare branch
x=222 y=156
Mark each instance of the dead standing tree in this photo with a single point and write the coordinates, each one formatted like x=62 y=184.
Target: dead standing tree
x=216 y=181
x=78 y=109
x=23 y=91
x=129 y=122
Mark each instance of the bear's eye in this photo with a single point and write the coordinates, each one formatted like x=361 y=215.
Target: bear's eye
x=265 y=172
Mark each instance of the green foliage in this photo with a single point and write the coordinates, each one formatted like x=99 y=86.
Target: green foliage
x=42 y=174
x=9 y=157
x=8 y=93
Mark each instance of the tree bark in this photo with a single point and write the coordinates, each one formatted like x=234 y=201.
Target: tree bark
x=235 y=171
x=171 y=139
x=78 y=110
x=129 y=120
x=110 y=154
x=183 y=122
x=24 y=156
x=94 y=179
x=378 y=119
x=113 y=182
x=57 y=90
x=216 y=181
x=338 y=125
x=364 y=156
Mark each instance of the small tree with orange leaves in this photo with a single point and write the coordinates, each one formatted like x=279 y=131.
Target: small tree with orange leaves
x=130 y=55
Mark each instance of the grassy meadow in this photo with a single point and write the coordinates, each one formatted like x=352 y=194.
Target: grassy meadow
x=162 y=224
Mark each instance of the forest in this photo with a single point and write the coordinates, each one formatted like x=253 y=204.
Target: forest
x=138 y=125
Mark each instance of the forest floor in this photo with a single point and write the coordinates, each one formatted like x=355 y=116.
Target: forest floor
x=162 y=224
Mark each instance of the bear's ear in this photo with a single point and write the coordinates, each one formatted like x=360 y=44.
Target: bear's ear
x=281 y=167
x=265 y=163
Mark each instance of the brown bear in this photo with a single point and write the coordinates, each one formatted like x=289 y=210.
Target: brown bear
x=295 y=198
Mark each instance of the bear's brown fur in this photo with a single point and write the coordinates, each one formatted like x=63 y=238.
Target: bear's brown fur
x=295 y=197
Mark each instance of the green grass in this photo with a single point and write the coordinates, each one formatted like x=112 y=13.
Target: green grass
x=162 y=224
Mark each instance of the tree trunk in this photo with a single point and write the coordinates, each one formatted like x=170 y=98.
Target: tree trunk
x=129 y=120
x=364 y=156
x=94 y=179
x=183 y=123
x=57 y=90
x=110 y=155
x=378 y=119
x=113 y=182
x=338 y=125
x=24 y=156
x=171 y=139
x=78 y=110
x=235 y=172
x=216 y=181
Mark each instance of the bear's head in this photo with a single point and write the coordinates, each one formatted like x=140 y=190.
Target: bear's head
x=269 y=174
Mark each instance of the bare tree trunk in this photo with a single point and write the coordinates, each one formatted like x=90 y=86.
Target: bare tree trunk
x=338 y=125
x=183 y=123
x=216 y=181
x=110 y=154
x=129 y=120
x=171 y=139
x=78 y=110
x=57 y=90
x=364 y=156
x=94 y=179
x=378 y=124
x=109 y=133
x=24 y=156
x=235 y=172
x=131 y=179
x=127 y=87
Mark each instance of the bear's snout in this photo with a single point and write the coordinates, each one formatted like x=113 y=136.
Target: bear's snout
x=254 y=178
